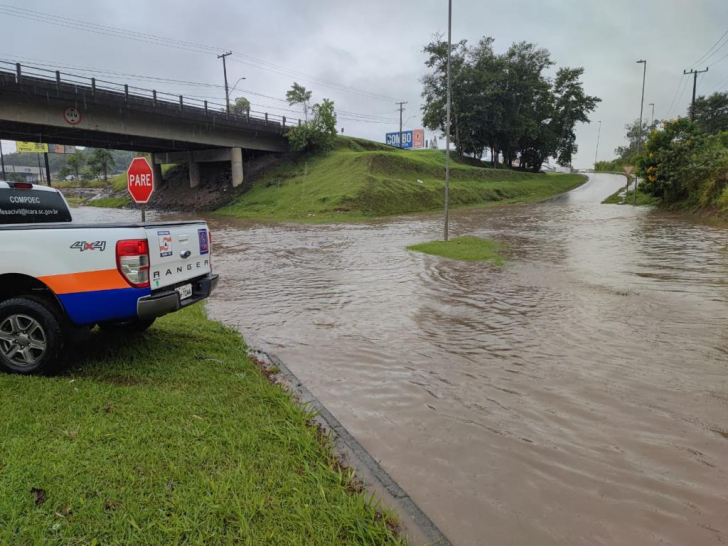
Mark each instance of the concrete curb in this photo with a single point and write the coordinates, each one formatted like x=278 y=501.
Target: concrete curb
x=419 y=529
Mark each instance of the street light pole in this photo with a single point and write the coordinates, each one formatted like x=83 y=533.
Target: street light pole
x=224 y=71
x=642 y=105
x=447 y=122
x=596 y=153
x=652 y=120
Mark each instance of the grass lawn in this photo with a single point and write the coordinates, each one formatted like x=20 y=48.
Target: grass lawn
x=172 y=438
x=471 y=249
x=363 y=179
x=110 y=202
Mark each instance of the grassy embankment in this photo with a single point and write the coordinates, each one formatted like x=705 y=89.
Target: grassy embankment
x=471 y=249
x=363 y=179
x=175 y=438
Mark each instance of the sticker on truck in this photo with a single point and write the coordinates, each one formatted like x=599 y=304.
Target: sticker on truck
x=165 y=243
x=204 y=243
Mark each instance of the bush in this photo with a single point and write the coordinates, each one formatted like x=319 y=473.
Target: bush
x=318 y=134
x=681 y=163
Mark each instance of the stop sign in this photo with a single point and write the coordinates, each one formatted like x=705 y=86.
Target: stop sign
x=139 y=180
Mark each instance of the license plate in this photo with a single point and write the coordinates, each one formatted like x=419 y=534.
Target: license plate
x=185 y=291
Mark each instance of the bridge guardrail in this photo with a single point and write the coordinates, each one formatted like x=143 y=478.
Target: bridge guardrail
x=99 y=89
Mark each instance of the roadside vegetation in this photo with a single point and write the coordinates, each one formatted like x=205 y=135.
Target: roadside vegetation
x=470 y=249
x=364 y=179
x=621 y=198
x=683 y=164
x=176 y=438
x=118 y=202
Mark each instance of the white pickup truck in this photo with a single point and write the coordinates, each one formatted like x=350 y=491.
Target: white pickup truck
x=57 y=276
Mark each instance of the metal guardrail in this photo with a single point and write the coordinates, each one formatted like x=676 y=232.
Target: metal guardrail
x=99 y=89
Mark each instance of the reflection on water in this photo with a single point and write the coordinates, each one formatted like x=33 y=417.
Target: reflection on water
x=578 y=395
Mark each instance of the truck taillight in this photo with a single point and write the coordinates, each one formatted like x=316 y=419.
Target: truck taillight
x=132 y=261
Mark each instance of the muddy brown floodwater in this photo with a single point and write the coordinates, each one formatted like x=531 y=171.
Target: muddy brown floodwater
x=578 y=395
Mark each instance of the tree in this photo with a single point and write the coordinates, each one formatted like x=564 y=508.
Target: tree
x=711 y=113
x=100 y=162
x=628 y=154
x=297 y=94
x=75 y=163
x=241 y=106
x=505 y=103
x=318 y=134
x=571 y=107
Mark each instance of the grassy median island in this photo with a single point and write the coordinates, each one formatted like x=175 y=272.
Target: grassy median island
x=363 y=179
x=175 y=437
x=620 y=198
x=470 y=249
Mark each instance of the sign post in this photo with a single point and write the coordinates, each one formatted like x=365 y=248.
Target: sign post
x=140 y=182
x=628 y=170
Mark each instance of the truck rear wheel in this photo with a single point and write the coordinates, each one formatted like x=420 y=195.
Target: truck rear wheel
x=31 y=336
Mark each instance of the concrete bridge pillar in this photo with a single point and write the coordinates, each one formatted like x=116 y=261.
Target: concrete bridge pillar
x=236 y=160
x=194 y=172
x=156 y=173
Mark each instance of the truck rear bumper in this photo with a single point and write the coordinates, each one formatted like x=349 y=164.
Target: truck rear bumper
x=168 y=301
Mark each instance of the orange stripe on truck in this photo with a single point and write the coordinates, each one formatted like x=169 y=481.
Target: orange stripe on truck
x=90 y=281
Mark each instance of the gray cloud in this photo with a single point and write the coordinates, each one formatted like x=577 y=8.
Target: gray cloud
x=376 y=47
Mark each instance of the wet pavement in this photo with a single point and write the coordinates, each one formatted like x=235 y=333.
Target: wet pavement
x=578 y=395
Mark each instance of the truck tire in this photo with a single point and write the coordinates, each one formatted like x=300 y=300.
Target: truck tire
x=31 y=336
x=132 y=326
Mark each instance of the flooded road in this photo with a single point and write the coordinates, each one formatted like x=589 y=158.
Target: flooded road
x=578 y=395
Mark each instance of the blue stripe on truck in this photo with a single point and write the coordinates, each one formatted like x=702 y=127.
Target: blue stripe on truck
x=99 y=306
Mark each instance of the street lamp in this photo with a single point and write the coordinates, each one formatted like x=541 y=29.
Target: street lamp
x=642 y=105
x=652 y=121
x=596 y=153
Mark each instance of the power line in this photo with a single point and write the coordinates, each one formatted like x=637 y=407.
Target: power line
x=178 y=44
x=672 y=102
x=707 y=55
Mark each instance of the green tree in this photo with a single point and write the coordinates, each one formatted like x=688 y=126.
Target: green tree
x=298 y=94
x=100 y=162
x=75 y=162
x=505 y=103
x=711 y=113
x=241 y=106
x=628 y=154
x=318 y=134
x=572 y=106
x=673 y=160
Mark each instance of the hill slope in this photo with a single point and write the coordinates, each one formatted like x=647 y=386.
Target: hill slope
x=365 y=179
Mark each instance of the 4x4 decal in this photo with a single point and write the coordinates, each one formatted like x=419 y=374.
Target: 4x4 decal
x=89 y=245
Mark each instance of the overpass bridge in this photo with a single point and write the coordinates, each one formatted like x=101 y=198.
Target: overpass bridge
x=41 y=105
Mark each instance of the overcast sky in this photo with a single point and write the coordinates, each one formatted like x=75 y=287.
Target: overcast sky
x=366 y=55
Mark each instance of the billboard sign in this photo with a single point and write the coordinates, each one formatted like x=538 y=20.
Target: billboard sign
x=30 y=147
x=410 y=139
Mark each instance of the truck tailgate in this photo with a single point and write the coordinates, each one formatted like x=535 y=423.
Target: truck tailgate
x=178 y=253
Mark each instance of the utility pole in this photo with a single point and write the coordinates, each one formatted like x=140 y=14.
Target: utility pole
x=642 y=106
x=401 y=109
x=48 y=169
x=596 y=153
x=695 y=87
x=224 y=71
x=447 y=122
x=652 y=120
